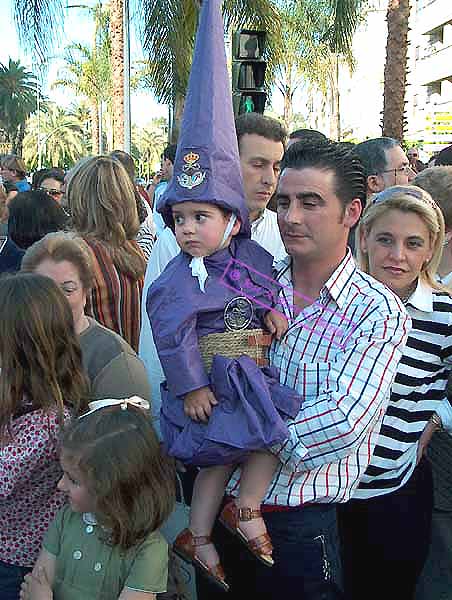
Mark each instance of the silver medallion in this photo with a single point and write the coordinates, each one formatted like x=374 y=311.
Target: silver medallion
x=238 y=314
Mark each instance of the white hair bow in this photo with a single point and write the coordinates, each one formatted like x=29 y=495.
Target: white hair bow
x=123 y=403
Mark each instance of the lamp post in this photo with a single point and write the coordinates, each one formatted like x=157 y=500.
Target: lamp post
x=127 y=112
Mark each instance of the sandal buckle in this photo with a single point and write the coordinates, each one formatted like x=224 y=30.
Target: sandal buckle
x=245 y=513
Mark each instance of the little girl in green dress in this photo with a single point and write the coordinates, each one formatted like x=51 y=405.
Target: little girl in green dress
x=105 y=543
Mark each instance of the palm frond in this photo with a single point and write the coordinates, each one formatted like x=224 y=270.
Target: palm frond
x=39 y=25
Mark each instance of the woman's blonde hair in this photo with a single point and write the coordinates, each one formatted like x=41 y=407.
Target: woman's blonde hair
x=406 y=198
x=101 y=198
x=60 y=246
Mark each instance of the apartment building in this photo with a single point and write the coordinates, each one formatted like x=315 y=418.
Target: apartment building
x=429 y=93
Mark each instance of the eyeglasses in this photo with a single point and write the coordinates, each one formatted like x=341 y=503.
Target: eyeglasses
x=51 y=192
x=406 y=190
x=405 y=169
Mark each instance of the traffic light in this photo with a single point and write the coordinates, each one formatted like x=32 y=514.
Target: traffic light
x=248 y=71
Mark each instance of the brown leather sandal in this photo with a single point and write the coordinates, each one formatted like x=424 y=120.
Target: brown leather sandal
x=185 y=546
x=260 y=546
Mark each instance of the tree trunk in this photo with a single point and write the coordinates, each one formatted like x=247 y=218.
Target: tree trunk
x=395 y=69
x=335 y=106
x=18 y=140
x=178 y=111
x=117 y=70
x=94 y=113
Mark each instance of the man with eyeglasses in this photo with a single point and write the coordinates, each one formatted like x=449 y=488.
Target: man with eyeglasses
x=385 y=164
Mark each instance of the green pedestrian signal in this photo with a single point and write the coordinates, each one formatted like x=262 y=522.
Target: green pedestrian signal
x=248 y=71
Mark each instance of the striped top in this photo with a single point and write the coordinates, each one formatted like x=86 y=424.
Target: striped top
x=419 y=390
x=115 y=298
x=341 y=354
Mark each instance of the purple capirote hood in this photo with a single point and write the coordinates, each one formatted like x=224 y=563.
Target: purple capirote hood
x=207 y=164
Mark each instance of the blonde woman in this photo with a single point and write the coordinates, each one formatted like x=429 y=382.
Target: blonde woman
x=386 y=526
x=101 y=198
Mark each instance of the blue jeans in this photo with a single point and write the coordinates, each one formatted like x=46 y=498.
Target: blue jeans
x=306 y=553
x=11 y=577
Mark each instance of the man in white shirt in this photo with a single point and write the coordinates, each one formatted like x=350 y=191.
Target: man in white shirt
x=261 y=143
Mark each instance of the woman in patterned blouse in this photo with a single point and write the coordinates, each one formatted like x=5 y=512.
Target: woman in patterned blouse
x=41 y=385
x=101 y=198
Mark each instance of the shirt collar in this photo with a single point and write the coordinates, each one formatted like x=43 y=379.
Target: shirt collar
x=446 y=280
x=422 y=297
x=337 y=286
x=255 y=224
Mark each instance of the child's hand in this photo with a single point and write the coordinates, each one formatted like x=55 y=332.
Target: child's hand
x=276 y=323
x=36 y=587
x=198 y=404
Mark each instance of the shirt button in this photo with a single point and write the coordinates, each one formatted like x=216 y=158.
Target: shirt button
x=89 y=529
x=97 y=566
x=77 y=555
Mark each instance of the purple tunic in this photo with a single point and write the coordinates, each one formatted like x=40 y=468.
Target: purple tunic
x=252 y=404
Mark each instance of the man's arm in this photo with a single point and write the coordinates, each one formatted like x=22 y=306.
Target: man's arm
x=352 y=395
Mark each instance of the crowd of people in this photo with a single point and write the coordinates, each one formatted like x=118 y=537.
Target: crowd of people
x=264 y=334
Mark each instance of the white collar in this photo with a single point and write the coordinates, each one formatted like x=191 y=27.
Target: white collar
x=89 y=519
x=259 y=220
x=446 y=280
x=422 y=297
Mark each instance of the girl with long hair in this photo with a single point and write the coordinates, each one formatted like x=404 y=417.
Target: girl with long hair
x=42 y=384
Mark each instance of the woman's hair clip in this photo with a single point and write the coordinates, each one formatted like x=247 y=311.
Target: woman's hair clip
x=123 y=403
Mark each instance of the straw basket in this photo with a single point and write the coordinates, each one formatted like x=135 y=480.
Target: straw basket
x=232 y=344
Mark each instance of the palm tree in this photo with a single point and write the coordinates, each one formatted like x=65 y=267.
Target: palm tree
x=304 y=60
x=59 y=141
x=18 y=99
x=87 y=77
x=398 y=15
x=150 y=142
x=117 y=69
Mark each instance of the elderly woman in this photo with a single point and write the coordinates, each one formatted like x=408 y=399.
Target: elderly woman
x=113 y=368
x=386 y=526
x=101 y=199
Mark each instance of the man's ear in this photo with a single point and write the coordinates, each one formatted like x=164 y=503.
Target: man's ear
x=352 y=213
x=374 y=184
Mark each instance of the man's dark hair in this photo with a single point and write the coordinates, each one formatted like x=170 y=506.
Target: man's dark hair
x=127 y=162
x=269 y=128
x=330 y=156
x=32 y=215
x=170 y=153
x=444 y=157
x=43 y=174
x=308 y=135
x=372 y=154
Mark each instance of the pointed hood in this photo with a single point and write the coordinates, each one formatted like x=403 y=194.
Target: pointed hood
x=207 y=164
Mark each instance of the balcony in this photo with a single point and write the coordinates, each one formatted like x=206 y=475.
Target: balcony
x=434 y=64
x=433 y=14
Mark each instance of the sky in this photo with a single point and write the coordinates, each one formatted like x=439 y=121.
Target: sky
x=78 y=28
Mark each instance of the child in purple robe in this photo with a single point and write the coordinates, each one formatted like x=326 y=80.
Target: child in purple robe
x=238 y=412
x=235 y=413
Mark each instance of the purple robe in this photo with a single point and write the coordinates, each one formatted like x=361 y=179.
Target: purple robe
x=252 y=404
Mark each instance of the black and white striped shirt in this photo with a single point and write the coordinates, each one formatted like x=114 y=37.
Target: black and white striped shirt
x=419 y=389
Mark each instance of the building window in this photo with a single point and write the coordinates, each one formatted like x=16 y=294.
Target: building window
x=433 y=88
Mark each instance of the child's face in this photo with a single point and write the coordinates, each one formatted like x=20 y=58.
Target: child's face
x=199 y=227
x=73 y=485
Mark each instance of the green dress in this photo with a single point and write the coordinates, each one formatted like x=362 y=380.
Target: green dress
x=88 y=568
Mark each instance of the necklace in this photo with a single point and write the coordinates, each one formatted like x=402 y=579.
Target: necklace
x=407 y=295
